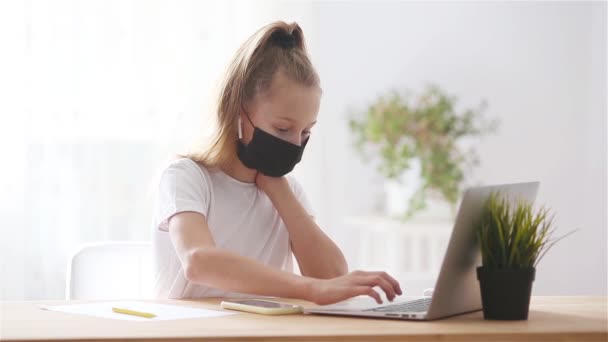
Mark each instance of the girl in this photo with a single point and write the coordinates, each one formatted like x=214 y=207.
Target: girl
x=228 y=219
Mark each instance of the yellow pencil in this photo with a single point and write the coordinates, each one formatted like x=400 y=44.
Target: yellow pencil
x=133 y=312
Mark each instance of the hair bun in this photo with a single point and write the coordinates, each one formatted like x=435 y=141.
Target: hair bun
x=283 y=39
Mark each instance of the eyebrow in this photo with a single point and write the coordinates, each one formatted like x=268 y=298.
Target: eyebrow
x=293 y=121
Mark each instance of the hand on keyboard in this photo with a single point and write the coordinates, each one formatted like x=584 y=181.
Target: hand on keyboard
x=357 y=283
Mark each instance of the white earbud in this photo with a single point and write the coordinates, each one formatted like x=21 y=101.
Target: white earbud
x=240 y=128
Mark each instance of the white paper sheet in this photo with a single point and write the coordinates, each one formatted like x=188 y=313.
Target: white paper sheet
x=163 y=312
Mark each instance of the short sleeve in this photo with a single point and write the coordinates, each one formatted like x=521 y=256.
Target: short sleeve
x=298 y=190
x=182 y=187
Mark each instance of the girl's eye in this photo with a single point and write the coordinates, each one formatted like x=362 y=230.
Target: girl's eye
x=286 y=130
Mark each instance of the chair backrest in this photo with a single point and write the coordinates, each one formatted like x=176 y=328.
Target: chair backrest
x=110 y=270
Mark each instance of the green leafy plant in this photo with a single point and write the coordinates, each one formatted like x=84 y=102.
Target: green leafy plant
x=396 y=129
x=514 y=236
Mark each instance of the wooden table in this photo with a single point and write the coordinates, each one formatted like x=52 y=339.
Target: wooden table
x=551 y=318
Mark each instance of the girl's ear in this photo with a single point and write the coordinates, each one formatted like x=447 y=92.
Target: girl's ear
x=240 y=124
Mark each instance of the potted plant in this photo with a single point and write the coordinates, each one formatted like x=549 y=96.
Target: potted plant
x=513 y=238
x=422 y=135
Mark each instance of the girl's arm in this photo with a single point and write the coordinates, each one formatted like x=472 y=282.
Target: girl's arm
x=317 y=255
x=205 y=264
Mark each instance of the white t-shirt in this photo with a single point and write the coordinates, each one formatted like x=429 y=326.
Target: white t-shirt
x=241 y=218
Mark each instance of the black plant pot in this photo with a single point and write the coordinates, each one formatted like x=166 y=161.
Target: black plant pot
x=505 y=294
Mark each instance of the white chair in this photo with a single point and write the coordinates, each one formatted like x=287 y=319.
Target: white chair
x=110 y=270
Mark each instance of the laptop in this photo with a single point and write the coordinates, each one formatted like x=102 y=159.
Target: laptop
x=457 y=289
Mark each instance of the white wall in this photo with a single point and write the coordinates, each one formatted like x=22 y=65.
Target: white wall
x=542 y=68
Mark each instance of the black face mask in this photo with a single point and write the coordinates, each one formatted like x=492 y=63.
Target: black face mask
x=268 y=154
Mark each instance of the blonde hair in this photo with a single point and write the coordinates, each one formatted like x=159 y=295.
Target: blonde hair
x=250 y=72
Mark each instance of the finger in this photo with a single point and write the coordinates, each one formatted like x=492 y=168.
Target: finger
x=368 y=291
x=394 y=283
x=377 y=280
x=357 y=273
x=391 y=280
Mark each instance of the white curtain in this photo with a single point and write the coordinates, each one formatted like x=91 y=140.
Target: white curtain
x=96 y=97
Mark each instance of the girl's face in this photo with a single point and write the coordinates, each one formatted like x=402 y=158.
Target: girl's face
x=286 y=110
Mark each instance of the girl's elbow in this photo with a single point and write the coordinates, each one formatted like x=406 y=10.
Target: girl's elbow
x=193 y=266
x=341 y=265
x=343 y=268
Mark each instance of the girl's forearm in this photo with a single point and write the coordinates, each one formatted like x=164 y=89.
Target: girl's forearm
x=317 y=255
x=222 y=269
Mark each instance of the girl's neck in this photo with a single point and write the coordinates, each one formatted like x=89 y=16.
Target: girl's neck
x=235 y=169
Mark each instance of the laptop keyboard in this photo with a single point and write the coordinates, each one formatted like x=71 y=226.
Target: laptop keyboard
x=418 y=305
